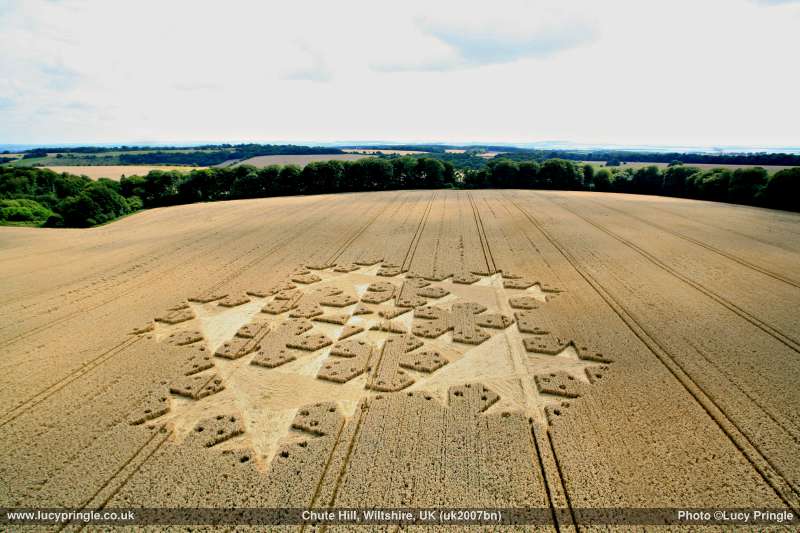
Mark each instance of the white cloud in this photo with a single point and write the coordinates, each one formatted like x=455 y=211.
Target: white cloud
x=471 y=35
x=775 y=2
x=682 y=72
x=515 y=31
x=312 y=67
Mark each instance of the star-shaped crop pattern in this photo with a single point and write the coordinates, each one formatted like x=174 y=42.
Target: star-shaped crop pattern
x=339 y=333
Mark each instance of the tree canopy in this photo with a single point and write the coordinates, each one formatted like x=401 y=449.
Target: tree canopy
x=40 y=196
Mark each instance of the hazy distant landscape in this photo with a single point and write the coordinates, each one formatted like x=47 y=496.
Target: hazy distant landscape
x=438 y=266
x=106 y=183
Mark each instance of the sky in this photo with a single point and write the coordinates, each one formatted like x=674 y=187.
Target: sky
x=657 y=72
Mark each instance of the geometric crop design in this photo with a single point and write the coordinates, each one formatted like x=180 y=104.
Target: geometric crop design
x=252 y=360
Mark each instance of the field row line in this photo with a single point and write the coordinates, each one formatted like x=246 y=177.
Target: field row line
x=760 y=324
x=143 y=281
x=238 y=271
x=350 y=446
x=708 y=247
x=768 y=472
x=353 y=238
x=491 y=266
x=84 y=369
x=151 y=258
x=272 y=250
x=127 y=478
x=280 y=244
x=76 y=243
x=790 y=431
x=724 y=228
x=412 y=247
x=555 y=487
x=535 y=434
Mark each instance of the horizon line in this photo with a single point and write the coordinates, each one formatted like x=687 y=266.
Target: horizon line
x=532 y=145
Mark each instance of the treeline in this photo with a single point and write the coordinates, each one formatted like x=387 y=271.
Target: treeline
x=431 y=148
x=624 y=156
x=551 y=174
x=751 y=186
x=41 y=152
x=38 y=196
x=215 y=154
x=440 y=148
x=471 y=159
x=460 y=161
x=208 y=158
x=160 y=188
x=203 y=156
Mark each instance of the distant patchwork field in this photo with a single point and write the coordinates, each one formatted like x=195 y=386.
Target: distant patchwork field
x=115 y=172
x=772 y=169
x=379 y=151
x=300 y=160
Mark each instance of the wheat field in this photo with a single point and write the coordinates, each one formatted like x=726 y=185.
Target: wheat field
x=116 y=172
x=299 y=160
x=562 y=350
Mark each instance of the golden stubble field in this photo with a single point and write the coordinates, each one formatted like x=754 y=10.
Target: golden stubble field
x=373 y=151
x=116 y=172
x=564 y=350
x=299 y=160
x=771 y=169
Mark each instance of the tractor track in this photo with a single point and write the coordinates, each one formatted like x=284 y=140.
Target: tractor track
x=768 y=472
x=21 y=336
x=87 y=367
x=491 y=266
x=412 y=247
x=713 y=249
x=760 y=324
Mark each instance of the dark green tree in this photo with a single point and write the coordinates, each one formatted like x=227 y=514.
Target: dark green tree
x=289 y=180
x=270 y=177
x=745 y=184
x=713 y=184
x=588 y=176
x=622 y=180
x=160 y=188
x=132 y=186
x=404 y=172
x=504 y=174
x=378 y=174
x=647 y=180
x=561 y=174
x=675 y=180
x=429 y=173
x=329 y=176
x=783 y=189
x=449 y=174
x=247 y=183
x=602 y=180
x=197 y=186
x=528 y=177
